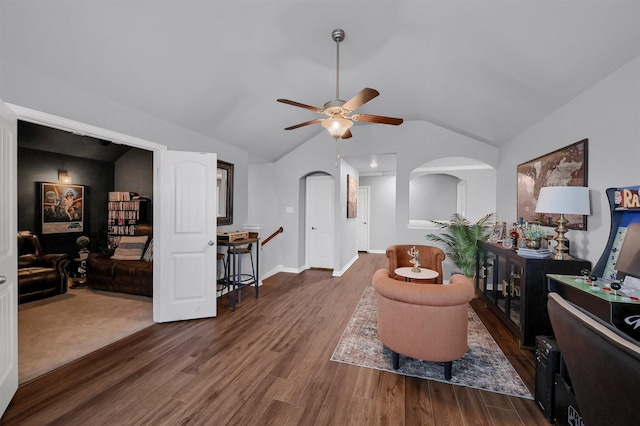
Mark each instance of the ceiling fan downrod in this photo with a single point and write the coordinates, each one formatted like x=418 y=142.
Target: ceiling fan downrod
x=337 y=35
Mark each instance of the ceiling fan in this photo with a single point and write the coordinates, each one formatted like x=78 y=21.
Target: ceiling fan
x=340 y=112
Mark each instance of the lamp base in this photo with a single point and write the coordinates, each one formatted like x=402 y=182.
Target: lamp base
x=562 y=251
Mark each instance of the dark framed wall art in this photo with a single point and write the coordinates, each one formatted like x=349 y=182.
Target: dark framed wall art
x=62 y=208
x=564 y=167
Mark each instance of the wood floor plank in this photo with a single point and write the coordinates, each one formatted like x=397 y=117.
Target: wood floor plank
x=444 y=398
x=333 y=410
x=266 y=362
x=362 y=411
x=368 y=384
x=419 y=407
x=391 y=404
x=502 y=417
x=528 y=411
x=472 y=407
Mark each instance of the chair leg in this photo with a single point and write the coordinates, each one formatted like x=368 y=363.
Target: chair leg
x=395 y=358
x=448 y=366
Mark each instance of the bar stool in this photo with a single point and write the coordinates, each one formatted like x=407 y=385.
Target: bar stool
x=221 y=273
x=244 y=278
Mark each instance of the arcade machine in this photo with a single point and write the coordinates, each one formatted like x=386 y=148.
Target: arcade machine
x=611 y=291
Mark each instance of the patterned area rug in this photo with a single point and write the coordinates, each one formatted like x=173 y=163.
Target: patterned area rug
x=484 y=366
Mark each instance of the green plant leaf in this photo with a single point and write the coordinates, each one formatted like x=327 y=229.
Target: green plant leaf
x=460 y=237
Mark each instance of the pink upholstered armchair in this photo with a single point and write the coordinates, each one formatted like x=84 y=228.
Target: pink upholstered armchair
x=426 y=322
x=430 y=258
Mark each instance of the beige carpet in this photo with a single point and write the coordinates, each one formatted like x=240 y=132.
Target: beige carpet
x=55 y=331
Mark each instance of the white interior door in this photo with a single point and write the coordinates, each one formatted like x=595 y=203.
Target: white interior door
x=319 y=226
x=362 y=221
x=8 y=257
x=185 y=190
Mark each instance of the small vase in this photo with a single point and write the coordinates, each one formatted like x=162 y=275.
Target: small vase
x=534 y=243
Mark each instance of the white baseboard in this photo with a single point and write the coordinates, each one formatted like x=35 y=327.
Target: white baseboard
x=347 y=266
x=375 y=251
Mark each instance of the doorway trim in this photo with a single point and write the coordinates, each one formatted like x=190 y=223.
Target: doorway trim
x=61 y=123
x=67 y=125
x=318 y=177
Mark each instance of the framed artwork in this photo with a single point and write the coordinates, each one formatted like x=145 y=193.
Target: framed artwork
x=352 y=197
x=565 y=167
x=62 y=208
x=498 y=232
x=224 y=193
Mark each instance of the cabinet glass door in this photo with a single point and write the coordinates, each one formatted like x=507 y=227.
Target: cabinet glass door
x=489 y=275
x=516 y=275
x=502 y=283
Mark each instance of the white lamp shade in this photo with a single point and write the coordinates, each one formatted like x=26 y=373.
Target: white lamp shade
x=563 y=200
x=337 y=126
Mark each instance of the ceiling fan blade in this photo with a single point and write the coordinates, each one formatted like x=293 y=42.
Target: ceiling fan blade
x=346 y=135
x=376 y=119
x=298 y=104
x=361 y=98
x=306 y=123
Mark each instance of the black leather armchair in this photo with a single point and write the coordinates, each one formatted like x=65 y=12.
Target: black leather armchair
x=39 y=275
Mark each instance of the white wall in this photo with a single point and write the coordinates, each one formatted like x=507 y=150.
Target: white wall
x=433 y=196
x=608 y=114
x=262 y=211
x=345 y=240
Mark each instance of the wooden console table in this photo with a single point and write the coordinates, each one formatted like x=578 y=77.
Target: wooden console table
x=515 y=288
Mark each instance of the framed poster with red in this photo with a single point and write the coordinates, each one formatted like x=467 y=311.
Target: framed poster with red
x=62 y=208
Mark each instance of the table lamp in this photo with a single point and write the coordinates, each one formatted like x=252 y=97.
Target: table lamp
x=563 y=200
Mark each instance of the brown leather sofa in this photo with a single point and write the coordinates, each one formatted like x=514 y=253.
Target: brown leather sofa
x=430 y=258
x=423 y=321
x=122 y=276
x=39 y=275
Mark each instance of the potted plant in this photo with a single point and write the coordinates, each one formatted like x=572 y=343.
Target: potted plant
x=534 y=236
x=83 y=243
x=460 y=239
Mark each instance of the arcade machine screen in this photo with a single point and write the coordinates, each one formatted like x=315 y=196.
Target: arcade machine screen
x=621 y=258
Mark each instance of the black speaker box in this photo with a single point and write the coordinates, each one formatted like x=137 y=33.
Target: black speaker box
x=547 y=365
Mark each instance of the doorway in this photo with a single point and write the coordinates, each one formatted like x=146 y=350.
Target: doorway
x=193 y=176
x=362 y=220
x=81 y=320
x=319 y=222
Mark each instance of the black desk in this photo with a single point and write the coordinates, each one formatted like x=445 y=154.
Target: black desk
x=233 y=275
x=621 y=311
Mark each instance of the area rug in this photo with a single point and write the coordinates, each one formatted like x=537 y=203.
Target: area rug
x=484 y=366
x=55 y=331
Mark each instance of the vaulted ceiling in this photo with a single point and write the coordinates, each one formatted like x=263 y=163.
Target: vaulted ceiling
x=485 y=69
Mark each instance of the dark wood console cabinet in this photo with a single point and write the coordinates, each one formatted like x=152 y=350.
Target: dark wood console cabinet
x=515 y=287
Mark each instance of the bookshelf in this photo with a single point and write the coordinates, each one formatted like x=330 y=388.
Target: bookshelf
x=125 y=211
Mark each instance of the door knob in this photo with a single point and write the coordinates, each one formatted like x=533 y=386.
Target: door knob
x=211 y=242
x=3 y=279
x=313 y=228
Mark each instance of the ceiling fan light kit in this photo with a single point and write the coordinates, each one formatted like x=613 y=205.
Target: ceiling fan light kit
x=340 y=121
x=337 y=126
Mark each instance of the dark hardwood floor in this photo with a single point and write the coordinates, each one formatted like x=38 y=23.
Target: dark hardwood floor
x=266 y=363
